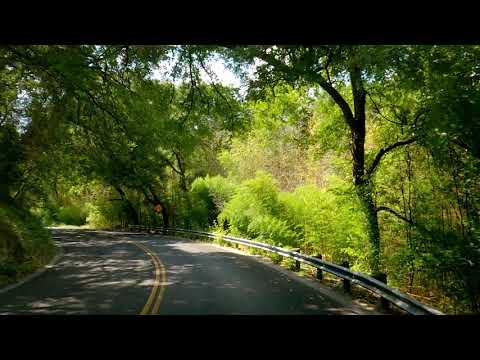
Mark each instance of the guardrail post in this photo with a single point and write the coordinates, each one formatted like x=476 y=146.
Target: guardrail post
x=297 y=263
x=347 y=285
x=384 y=303
x=319 y=271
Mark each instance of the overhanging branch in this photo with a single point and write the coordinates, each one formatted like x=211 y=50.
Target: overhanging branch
x=385 y=150
x=391 y=211
x=339 y=100
x=380 y=112
x=315 y=77
x=214 y=85
x=170 y=164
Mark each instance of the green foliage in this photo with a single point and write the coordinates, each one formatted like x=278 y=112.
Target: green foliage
x=87 y=136
x=270 y=229
x=330 y=222
x=324 y=221
x=441 y=248
x=24 y=244
x=276 y=259
x=72 y=215
x=254 y=211
x=329 y=130
x=11 y=153
x=209 y=195
x=277 y=141
x=102 y=215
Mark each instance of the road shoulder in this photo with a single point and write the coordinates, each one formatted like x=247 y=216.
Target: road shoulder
x=343 y=299
x=35 y=274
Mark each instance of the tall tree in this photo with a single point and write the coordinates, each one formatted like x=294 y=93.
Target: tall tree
x=336 y=69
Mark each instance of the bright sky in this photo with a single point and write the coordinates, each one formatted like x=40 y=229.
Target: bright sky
x=217 y=66
x=225 y=76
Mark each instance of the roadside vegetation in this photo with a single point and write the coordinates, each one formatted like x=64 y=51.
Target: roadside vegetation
x=365 y=154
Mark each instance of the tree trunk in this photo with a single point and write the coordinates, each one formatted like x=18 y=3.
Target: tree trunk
x=357 y=126
x=364 y=192
x=362 y=182
x=165 y=216
x=155 y=200
x=4 y=192
x=356 y=121
x=184 y=188
x=131 y=213
x=358 y=152
x=364 y=189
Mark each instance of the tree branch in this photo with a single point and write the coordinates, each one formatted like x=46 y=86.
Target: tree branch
x=460 y=143
x=214 y=85
x=313 y=76
x=387 y=209
x=193 y=85
x=150 y=200
x=339 y=100
x=169 y=163
x=61 y=78
x=379 y=112
x=327 y=64
x=385 y=150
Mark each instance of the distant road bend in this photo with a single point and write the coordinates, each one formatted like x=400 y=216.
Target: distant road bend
x=104 y=272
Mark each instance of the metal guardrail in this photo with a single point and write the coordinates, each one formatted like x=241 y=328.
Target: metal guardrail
x=393 y=296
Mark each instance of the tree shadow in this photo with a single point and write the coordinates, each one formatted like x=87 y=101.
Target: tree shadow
x=96 y=275
x=102 y=273
x=204 y=279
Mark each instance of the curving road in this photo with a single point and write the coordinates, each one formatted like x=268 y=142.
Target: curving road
x=120 y=273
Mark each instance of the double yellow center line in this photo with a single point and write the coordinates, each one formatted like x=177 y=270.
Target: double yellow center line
x=158 y=289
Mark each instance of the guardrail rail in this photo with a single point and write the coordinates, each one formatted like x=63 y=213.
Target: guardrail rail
x=375 y=286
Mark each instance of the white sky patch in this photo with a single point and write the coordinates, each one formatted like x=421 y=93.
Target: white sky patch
x=224 y=75
x=23 y=101
x=217 y=68
x=312 y=93
x=219 y=73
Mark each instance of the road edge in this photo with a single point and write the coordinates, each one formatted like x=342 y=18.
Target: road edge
x=34 y=275
x=342 y=299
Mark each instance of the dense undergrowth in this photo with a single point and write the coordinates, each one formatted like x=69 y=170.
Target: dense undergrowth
x=25 y=244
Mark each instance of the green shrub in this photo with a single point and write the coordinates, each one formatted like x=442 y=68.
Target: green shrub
x=326 y=221
x=25 y=244
x=272 y=230
x=276 y=259
x=253 y=198
x=290 y=264
x=72 y=215
x=103 y=214
x=208 y=196
x=330 y=222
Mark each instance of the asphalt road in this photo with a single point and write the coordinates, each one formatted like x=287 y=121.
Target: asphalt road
x=120 y=273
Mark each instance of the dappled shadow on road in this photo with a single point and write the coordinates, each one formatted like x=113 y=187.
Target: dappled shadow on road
x=205 y=279
x=102 y=273
x=98 y=274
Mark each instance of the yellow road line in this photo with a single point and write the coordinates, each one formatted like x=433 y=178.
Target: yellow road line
x=156 y=283
x=156 y=307
x=160 y=278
